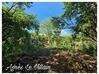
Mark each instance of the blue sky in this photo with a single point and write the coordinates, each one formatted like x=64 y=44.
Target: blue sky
x=44 y=10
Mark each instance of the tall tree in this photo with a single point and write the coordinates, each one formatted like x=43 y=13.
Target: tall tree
x=86 y=17
x=15 y=29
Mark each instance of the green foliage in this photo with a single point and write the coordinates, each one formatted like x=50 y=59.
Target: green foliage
x=66 y=43
x=89 y=47
x=15 y=34
x=85 y=14
x=22 y=33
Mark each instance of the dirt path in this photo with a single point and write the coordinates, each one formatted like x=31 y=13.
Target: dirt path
x=57 y=63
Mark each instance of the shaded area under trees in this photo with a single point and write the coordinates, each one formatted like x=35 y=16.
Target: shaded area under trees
x=45 y=45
